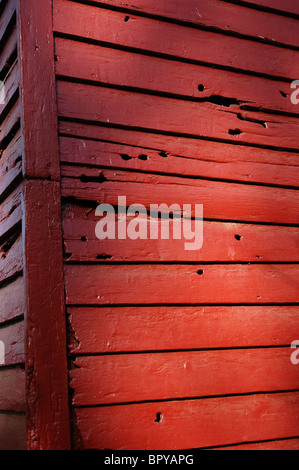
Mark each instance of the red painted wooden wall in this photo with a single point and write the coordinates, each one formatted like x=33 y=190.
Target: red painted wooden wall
x=153 y=346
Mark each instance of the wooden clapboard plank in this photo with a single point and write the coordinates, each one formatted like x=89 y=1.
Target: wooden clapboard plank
x=169 y=115
x=96 y=380
x=11 y=165
x=95 y=153
x=6 y=17
x=220 y=200
x=285 y=444
x=222 y=242
x=11 y=258
x=124 y=329
x=181 y=284
x=91 y=62
x=8 y=52
x=12 y=389
x=166 y=38
x=217 y=14
x=13 y=338
x=10 y=213
x=189 y=424
x=12 y=431
x=179 y=145
x=8 y=126
x=12 y=300
x=11 y=84
x=291 y=6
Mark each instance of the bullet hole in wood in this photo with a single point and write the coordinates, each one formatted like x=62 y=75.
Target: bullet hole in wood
x=143 y=157
x=201 y=87
x=283 y=94
x=238 y=237
x=84 y=239
x=124 y=156
x=163 y=154
x=158 y=417
x=103 y=256
x=234 y=131
x=127 y=18
x=93 y=179
x=200 y=272
x=68 y=255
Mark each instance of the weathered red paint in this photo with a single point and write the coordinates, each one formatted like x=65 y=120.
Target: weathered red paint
x=190 y=348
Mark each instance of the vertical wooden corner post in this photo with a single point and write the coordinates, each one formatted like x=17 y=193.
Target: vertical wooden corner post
x=46 y=355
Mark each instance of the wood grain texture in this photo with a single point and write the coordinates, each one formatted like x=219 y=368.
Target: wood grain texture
x=140 y=377
x=46 y=366
x=12 y=431
x=222 y=242
x=218 y=14
x=220 y=200
x=189 y=424
x=12 y=300
x=137 y=110
x=8 y=125
x=13 y=339
x=124 y=329
x=177 y=41
x=11 y=84
x=12 y=390
x=38 y=97
x=119 y=67
x=180 y=284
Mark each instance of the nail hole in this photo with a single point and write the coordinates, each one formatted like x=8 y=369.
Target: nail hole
x=201 y=87
x=103 y=256
x=127 y=19
x=158 y=418
x=234 y=131
x=142 y=157
x=238 y=237
x=124 y=156
x=200 y=272
x=83 y=239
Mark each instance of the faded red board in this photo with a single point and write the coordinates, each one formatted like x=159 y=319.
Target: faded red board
x=11 y=261
x=11 y=164
x=191 y=423
x=12 y=300
x=146 y=328
x=181 y=284
x=13 y=339
x=220 y=200
x=147 y=377
x=215 y=13
x=178 y=41
x=12 y=431
x=12 y=389
x=10 y=212
x=169 y=115
x=122 y=68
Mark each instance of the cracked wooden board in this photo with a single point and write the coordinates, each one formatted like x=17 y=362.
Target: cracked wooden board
x=230 y=16
x=170 y=39
x=221 y=200
x=201 y=159
x=98 y=330
x=168 y=115
x=157 y=75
